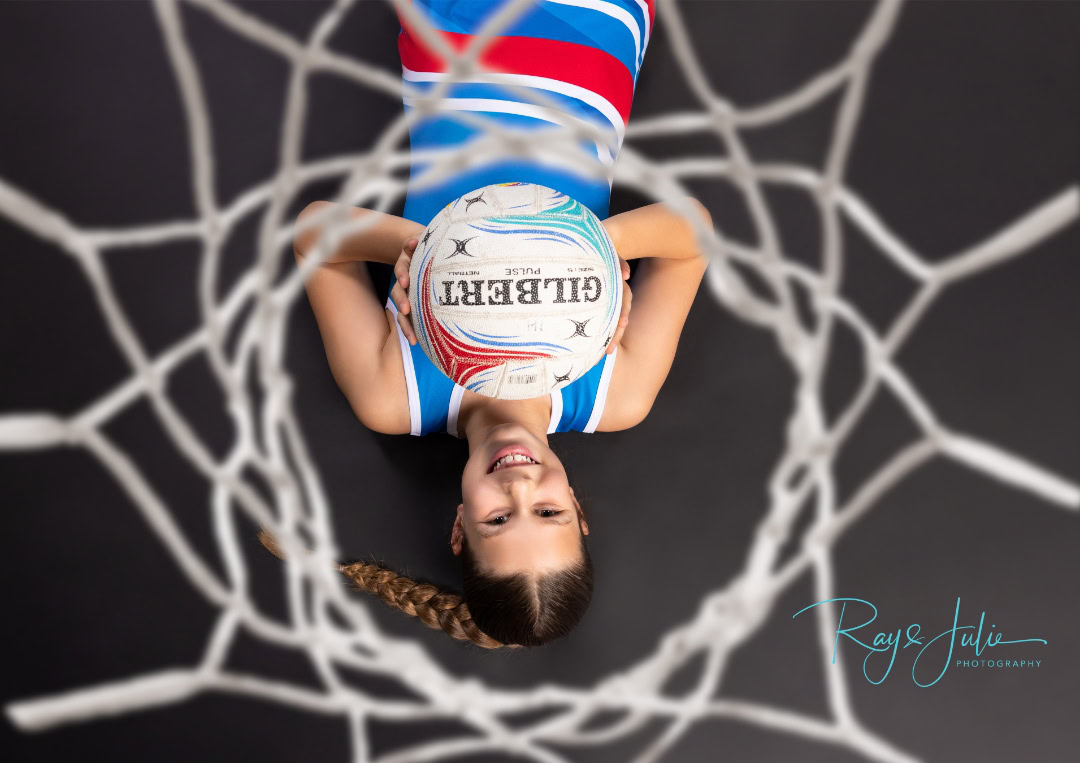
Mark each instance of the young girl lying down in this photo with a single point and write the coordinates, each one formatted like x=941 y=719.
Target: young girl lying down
x=520 y=529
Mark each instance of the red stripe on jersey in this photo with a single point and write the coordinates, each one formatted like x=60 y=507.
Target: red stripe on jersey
x=590 y=68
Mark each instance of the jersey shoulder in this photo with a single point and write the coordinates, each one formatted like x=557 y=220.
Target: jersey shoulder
x=623 y=408
x=388 y=410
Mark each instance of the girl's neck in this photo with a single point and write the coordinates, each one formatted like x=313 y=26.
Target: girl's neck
x=478 y=415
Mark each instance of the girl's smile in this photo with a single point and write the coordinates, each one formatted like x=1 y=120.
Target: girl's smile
x=512 y=450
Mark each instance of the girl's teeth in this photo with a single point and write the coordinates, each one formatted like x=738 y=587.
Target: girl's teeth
x=512 y=458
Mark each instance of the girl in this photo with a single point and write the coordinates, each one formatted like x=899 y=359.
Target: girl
x=520 y=530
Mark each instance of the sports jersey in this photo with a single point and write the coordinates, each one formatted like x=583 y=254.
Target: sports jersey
x=584 y=57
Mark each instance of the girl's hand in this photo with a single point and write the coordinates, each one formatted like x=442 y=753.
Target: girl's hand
x=399 y=293
x=624 y=315
x=400 y=296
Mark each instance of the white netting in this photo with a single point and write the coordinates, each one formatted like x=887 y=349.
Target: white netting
x=804 y=471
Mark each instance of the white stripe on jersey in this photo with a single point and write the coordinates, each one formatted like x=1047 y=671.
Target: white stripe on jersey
x=589 y=97
x=616 y=12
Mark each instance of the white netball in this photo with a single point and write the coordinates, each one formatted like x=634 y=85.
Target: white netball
x=515 y=290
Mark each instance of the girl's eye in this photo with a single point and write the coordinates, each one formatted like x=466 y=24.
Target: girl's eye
x=501 y=520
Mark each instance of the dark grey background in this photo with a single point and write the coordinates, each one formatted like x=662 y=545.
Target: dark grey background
x=970 y=121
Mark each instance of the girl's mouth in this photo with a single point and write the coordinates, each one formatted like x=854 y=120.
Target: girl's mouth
x=511 y=456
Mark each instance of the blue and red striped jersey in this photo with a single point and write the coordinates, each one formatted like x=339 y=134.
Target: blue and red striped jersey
x=583 y=56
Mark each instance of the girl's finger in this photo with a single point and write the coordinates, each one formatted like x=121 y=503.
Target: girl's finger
x=406 y=328
x=620 y=329
x=400 y=298
x=616 y=338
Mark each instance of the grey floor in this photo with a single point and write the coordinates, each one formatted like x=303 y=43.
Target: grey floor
x=970 y=121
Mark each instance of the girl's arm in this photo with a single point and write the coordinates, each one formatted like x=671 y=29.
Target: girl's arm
x=656 y=231
x=664 y=286
x=379 y=243
x=351 y=319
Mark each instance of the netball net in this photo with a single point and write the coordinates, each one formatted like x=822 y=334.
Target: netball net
x=243 y=337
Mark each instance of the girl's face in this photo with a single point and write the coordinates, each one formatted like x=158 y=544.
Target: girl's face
x=518 y=516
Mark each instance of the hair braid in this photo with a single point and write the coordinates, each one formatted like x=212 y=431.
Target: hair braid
x=433 y=606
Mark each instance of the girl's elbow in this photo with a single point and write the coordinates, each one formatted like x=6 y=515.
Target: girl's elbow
x=304 y=233
x=702 y=211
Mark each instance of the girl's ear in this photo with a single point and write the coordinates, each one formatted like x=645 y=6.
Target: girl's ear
x=581 y=513
x=457 y=532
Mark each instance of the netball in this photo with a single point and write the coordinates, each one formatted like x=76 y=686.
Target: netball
x=517 y=290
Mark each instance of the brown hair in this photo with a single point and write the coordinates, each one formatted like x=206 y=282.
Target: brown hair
x=496 y=611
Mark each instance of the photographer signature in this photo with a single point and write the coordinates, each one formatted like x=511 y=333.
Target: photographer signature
x=883 y=642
